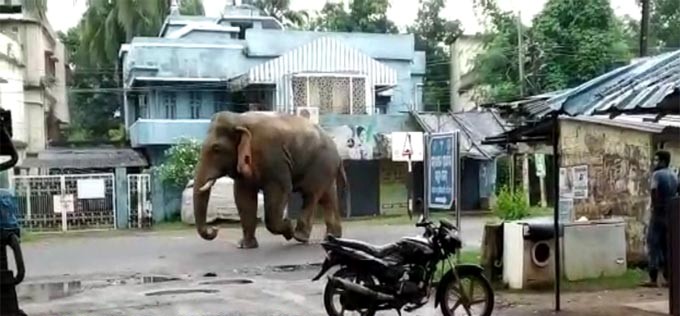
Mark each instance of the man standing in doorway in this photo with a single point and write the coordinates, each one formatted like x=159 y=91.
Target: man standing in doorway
x=664 y=187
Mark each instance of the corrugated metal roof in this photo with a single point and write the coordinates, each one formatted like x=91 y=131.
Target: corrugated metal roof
x=475 y=126
x=86 y=158
x=639 y=86
x=325 y=55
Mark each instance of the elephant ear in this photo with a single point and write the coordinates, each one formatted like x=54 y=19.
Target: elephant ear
x=245 y=153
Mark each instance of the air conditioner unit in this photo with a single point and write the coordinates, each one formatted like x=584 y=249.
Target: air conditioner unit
x=309 y=112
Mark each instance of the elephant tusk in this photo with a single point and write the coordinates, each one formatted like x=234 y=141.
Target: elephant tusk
x=207 y=185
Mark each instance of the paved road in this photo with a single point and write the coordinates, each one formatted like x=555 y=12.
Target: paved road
x=184 y=252
x=104 y=275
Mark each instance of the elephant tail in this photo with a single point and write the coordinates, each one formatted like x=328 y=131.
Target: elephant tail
x=343 y=186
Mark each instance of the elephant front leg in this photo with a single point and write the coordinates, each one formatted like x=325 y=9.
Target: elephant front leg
x=275 y=201
x=246 y=203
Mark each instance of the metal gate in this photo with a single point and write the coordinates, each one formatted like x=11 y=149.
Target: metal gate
x=66 y=202
x=139 y=200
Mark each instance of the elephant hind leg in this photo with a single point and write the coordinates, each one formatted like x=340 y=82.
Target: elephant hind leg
x=329 y=202
x=303 y=229
x=275 y=201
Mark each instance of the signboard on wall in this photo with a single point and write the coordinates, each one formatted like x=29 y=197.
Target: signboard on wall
x=63 y=203
x=442 y=166
x=539 y=161
x=405 y=144
x=91 y=189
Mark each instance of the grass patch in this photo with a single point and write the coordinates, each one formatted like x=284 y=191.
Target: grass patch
x=401 y=219
x=466 y=257
x=631 y=279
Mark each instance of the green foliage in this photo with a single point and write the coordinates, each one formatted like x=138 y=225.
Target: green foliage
x=181 y=162
x=664 y=24
x=502 y=173
x=369 y=16
x=280 y=9
x=579 y=40
x=511 y=205
x=570 y=42
x=430 y=31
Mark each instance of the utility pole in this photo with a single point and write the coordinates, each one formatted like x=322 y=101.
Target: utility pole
x=454 y=82
x=520 y=53
x=644 y=28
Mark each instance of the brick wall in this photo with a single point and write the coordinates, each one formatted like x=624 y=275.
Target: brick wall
x=619 y=164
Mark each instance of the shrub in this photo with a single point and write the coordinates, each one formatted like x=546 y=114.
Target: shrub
x=511 y=205
x=180 y=163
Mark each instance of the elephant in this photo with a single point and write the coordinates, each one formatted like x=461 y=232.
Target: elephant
x=278 y=154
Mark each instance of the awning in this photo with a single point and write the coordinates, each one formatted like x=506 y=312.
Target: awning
x=324 y=55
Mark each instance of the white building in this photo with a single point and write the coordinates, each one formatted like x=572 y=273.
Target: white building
x=12 y=94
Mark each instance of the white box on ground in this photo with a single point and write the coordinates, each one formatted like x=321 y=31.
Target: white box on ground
x=595 y=249
x=404 y=143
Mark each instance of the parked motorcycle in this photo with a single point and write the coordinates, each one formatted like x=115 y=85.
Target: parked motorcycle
x=400 y=275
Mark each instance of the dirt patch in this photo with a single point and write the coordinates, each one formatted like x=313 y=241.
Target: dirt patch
x=604 y=303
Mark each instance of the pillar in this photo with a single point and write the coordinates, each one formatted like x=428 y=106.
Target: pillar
x=122 y=208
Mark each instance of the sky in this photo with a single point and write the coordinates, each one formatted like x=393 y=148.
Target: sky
x=64 y=14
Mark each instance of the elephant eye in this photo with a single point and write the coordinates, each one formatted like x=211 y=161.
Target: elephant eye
x=215 y=148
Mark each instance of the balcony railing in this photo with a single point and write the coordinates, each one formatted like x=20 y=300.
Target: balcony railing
x=149 y=132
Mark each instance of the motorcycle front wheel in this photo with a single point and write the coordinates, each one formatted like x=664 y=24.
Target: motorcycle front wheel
x=331 y=292
x=472 y=295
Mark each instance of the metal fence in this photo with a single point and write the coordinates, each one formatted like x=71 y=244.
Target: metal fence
x=66 y=202
x=139 y=200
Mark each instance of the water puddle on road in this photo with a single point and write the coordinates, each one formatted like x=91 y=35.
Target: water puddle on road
x=181 y=291
x=296 y=267
x=46 y=292
x=227 y=282
x=51 y=291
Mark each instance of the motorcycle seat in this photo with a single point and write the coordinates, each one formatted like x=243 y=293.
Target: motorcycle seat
x=373 y=250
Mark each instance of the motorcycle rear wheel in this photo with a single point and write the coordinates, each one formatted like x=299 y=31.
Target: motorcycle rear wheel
x=330 y=291
x=459 y=307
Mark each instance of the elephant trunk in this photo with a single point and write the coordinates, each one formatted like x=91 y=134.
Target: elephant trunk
x=202 y=187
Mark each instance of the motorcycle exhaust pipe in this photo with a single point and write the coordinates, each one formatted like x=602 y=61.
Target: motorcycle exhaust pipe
x=360 y=289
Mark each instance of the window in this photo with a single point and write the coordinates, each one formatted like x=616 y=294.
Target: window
x=170 y=105
x=143 y=105
x=195 y=101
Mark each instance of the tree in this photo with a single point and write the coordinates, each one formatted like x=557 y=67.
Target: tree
x=498 y=65
x=108 y=24
x=280 y=9
x=93 y=47
x=570 y=42
x=430 y=31
x=578 y=40
x=369 y=16
x=664 y=25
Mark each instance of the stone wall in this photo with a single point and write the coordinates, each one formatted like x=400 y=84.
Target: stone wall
x=619 y=165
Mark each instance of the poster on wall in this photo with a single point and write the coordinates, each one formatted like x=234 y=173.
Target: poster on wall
x=566 y=183
x=580 y=181
x=566 y=209
x=354 y=142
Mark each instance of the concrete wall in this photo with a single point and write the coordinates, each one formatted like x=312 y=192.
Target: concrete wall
x=619 y=162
